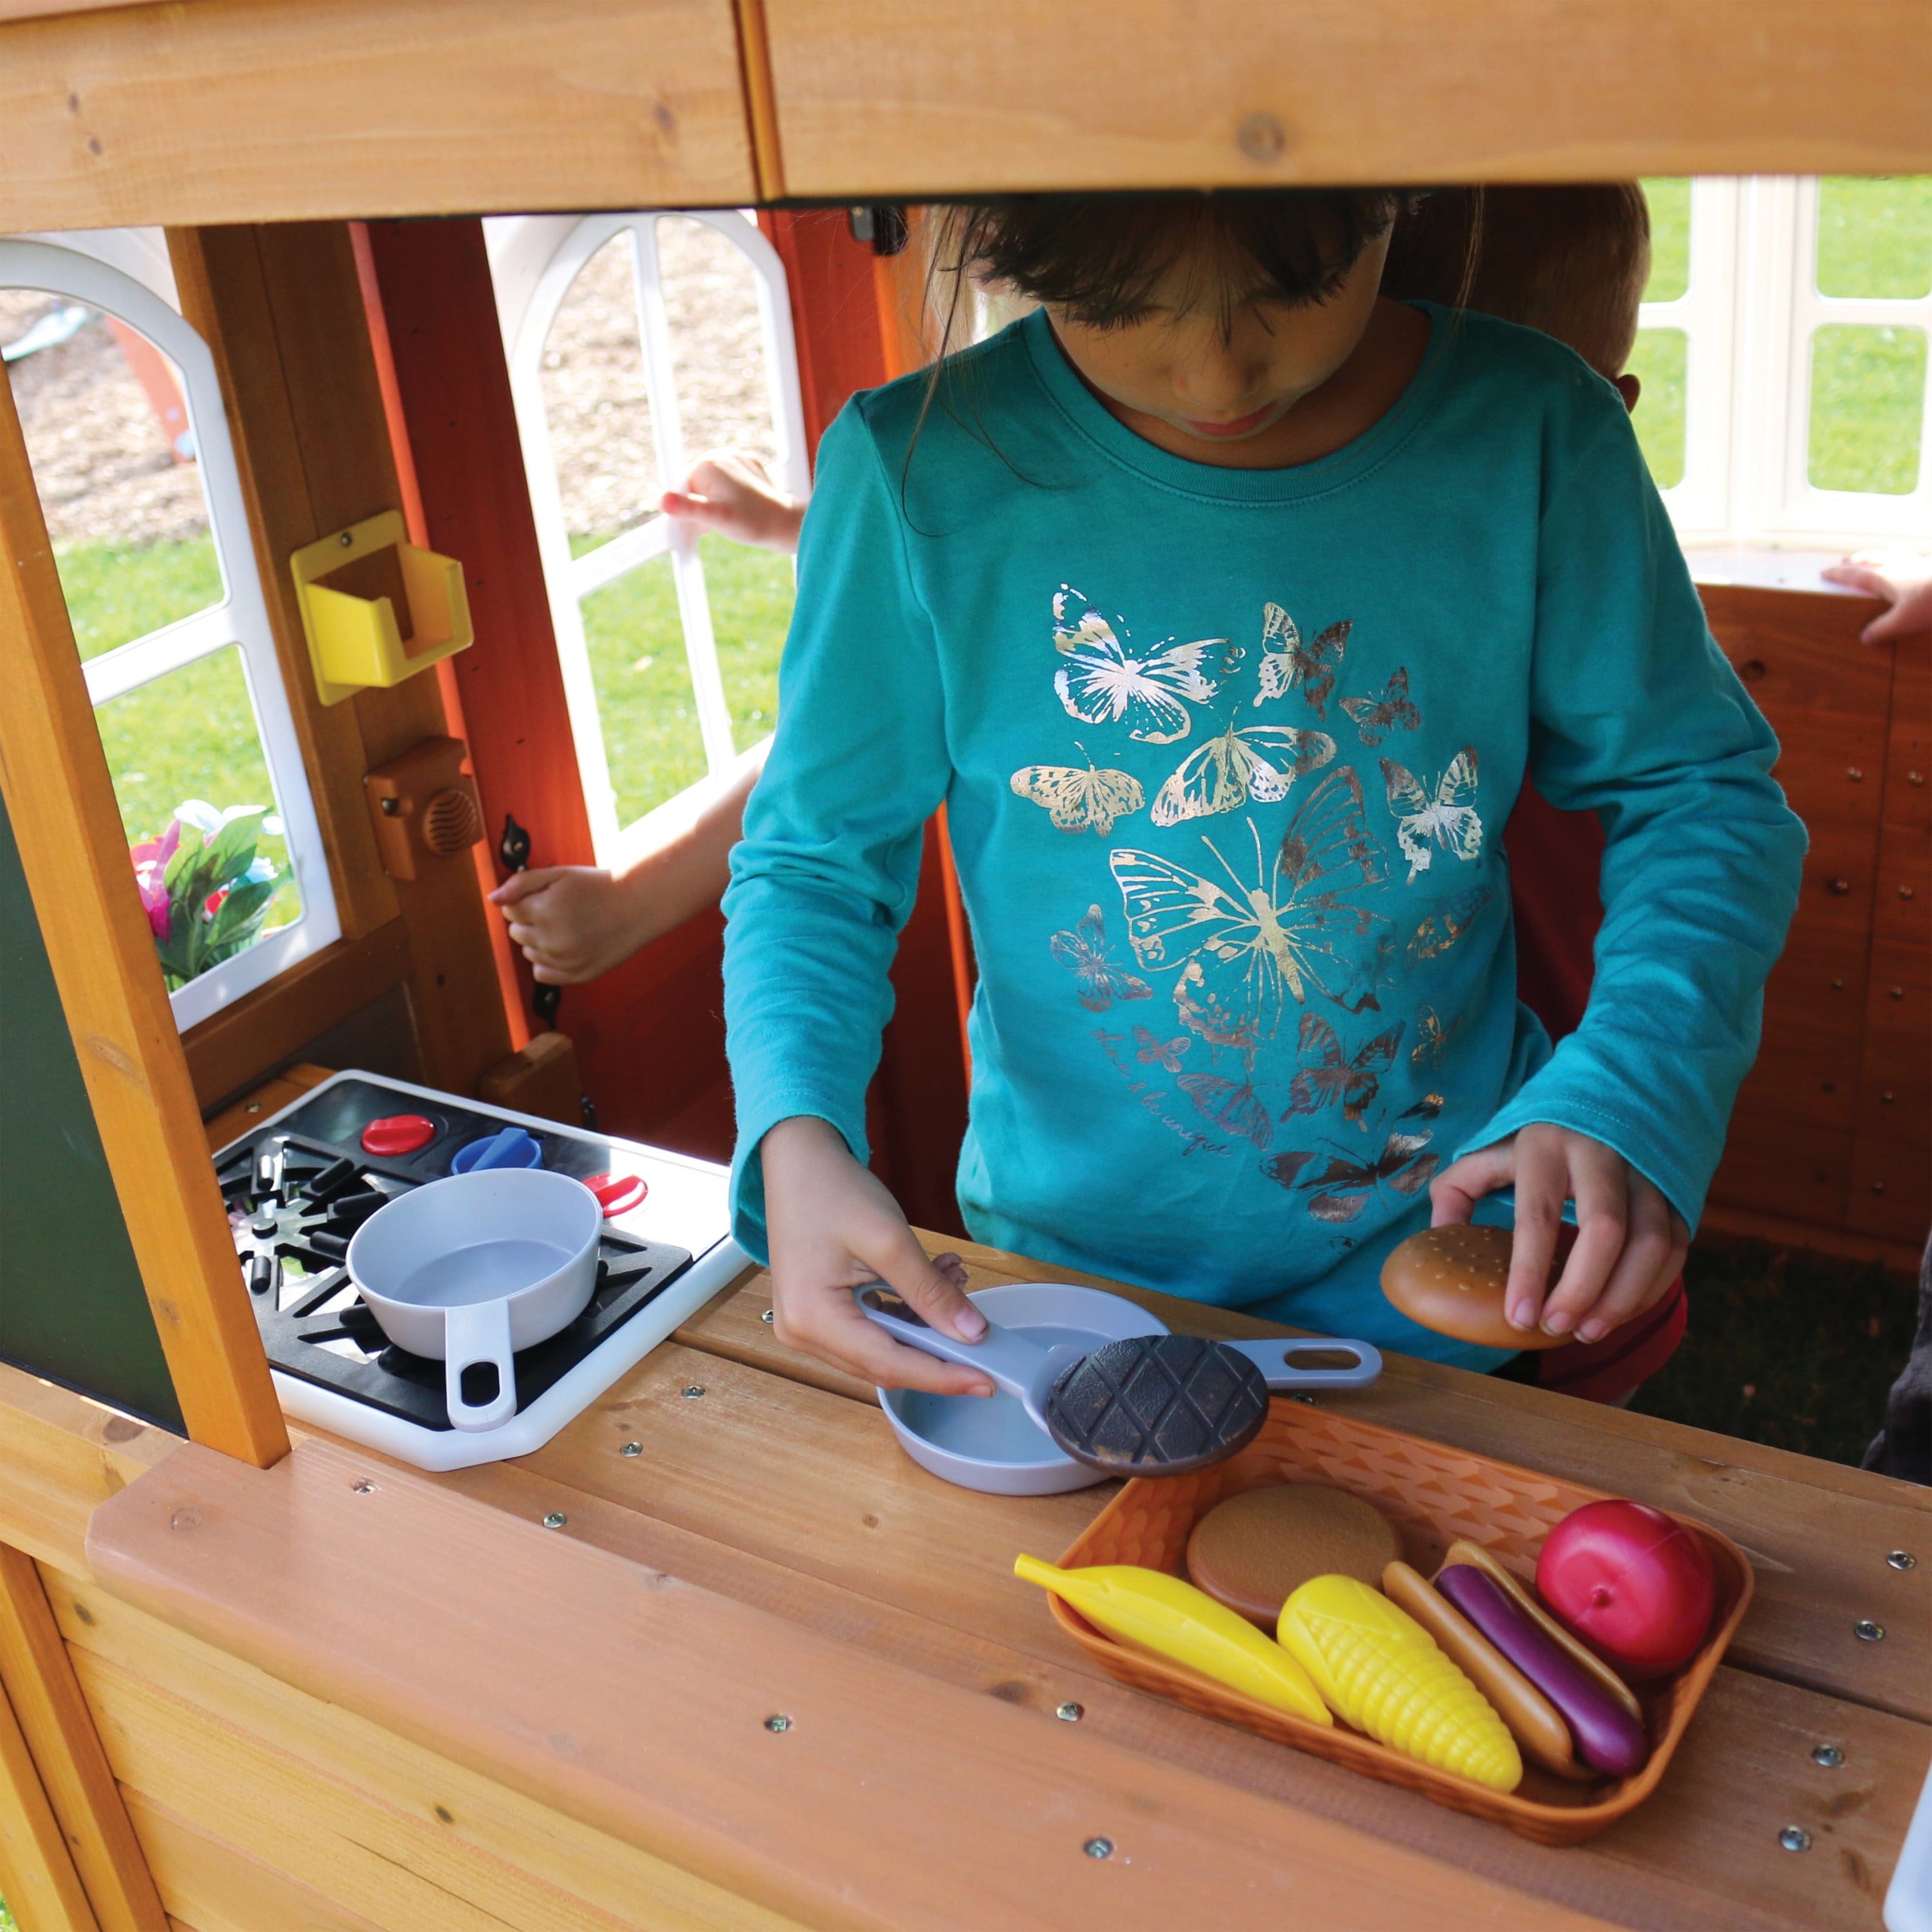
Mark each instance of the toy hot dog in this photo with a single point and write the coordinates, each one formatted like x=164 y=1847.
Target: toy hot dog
x=1608 y=1738
x=1532 y=1720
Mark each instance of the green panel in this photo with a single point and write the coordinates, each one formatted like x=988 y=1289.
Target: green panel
x=72 y=1308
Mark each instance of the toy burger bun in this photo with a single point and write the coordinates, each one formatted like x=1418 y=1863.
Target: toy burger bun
x=1531 y=1718
x=1452 y=1279
x=1254 y=1551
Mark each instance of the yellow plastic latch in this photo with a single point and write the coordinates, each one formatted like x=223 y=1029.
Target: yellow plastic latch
x=348 y=585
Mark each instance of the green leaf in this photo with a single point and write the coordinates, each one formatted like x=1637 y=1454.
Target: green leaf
x=244 y=905
x=234 y=846
x=185 y=855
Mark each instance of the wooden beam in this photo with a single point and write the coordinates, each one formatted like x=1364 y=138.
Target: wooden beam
x=37 y=1878
x=204 y=111
x=39 y=1683
x=761 y=111
x=230 y=1049
x=74 y=852
x=882 y=100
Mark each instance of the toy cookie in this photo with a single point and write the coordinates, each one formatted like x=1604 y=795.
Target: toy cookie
x=1252 y=1552
x=1451 y=1280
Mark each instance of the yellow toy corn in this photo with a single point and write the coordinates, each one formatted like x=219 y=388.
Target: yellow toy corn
x=1382 y=1671
x=1148 y=1610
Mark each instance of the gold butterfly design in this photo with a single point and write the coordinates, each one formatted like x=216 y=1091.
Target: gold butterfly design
x=1445 y=923
x=1261 y=762
x=1230 y=1104
x=1083 y=952
x=1376 y=717
x=1344 y=1186
x=1149 y=1047
x=1433 y=1038
x=1245 y=951
x=1101 y=684
x=1080 y=801
x=1447 y=818
x=1330 y=1075
x=1287 y=662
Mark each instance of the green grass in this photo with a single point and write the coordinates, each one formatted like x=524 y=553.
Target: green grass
x=1875 y=236
x=115 y=595
x=642 y=679
x=1788 y=1348
x=1867 y=396
x=1669 y=239
x=1657 y=361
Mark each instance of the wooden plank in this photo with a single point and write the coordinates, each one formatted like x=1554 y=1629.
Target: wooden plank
x=230 y=1047
x=1672 y=1884
x=39 y=1683
x=1817 y=1532
x=74 y=851
x=37 y=1878
x=761 y=112
x=400 y=1600
x=1727 y=1227
x=62 y=1456
x=1094 y=94
x=232 y=110
x=270 y=1097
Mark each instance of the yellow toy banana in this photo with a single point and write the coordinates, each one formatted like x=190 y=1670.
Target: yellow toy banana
x=1382 y=1671
x=1150 y=1611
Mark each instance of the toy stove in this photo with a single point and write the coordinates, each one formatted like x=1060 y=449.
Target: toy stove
x=297 y=1187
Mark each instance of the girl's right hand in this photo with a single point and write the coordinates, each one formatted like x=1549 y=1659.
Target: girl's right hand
x=730 y=492
x=832 y=1226
x=571 y=922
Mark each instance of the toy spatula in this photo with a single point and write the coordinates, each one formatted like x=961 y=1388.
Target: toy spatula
x=1157 y=1406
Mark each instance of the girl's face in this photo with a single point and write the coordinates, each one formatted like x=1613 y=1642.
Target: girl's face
x=1219 y=382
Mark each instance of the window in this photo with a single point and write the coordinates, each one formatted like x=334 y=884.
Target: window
x=129 y=442
x=636 y=341
x=1783 y=358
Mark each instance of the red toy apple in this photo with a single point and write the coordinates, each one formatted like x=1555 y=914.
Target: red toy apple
x=1634 y=1583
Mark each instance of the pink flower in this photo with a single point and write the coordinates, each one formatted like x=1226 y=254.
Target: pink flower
x=150 y=860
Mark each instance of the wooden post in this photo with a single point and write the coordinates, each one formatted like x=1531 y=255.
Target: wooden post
x=37 y=1873
x=53 y=1714
x=74 y=854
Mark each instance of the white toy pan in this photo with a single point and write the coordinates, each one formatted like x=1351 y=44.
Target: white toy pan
x=990 y=1442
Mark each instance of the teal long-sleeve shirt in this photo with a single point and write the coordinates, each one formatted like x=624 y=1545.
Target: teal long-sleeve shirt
x=1226 y=755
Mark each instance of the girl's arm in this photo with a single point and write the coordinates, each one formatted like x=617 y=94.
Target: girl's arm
x=1636 y=714
x=822 y=884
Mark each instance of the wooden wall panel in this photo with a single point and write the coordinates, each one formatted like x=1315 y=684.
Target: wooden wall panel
x=884 y=99
x=274 y=110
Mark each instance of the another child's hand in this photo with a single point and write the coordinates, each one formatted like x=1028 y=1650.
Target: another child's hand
x=731 y=493
x=1902 y=577
x=572 y=922
x=832 y=1226
x=1630 y=1242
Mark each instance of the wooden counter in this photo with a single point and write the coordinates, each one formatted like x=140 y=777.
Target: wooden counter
x=341 y=1694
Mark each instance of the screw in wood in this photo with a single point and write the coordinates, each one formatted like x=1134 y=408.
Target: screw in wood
x=1261 y=138
x=1795 y=1838
x=1069 y=1713
x=1902 y=1559
x=632 y=1449
x=1878 y=1187
x=1905 y=891
x=766 y=1316
x=1838 y=985
x=364 y=1488
x=1854 y=774
x=555 y=1520
x=777 y=1721
x=1896 y=992
x=1915 y=778
x=1841 y=887
x=696 y=1390
x=1828 y=1756
x=1099 y=1848
x=189 y=1518
x=347 y=538
x=1867 y=1631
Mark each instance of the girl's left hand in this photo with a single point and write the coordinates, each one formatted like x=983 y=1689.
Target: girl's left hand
x=1630 y=1242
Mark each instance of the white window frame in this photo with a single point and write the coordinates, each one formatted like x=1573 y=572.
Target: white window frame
x=1749 y=314
x=83 y=269
x=534 y=260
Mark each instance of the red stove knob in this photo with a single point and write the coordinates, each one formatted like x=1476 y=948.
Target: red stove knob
x=618 y=1192
x=399 y=1134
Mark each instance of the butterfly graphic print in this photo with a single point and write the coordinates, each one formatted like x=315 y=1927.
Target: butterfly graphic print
x=1261 y=762
x=1433 y=1040
x=1287 y=662
x=1346 y=1186
x=1083 y=952
x=1329 y=1076
x=1101 y=684
x=1080 y=801
x=1376 y=717
x=1231 y=1104
x=1445 y=923
x=1245 y=949
x=1447 y=818
x=1150 y=1048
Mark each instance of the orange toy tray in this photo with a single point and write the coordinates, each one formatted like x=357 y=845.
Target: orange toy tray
x=1434 y=1495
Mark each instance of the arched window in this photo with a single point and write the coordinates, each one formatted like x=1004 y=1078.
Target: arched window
x=157 y=564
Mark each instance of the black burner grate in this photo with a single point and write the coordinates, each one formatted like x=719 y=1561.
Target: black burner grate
x=296 y=1194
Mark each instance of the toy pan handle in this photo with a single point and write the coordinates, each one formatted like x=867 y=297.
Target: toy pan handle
x=1281 y=1362
x=1021 y=1367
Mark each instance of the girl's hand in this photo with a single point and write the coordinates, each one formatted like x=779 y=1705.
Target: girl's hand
x=572 y=922
x=1902 y=577
x=1630 y=1242
x=730 y=492
x=832 y=1226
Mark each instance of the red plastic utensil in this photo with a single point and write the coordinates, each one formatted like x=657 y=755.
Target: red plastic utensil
x=618 y=1192
x=397 y=1134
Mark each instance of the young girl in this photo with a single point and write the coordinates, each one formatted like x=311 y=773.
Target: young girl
x=1225 y=604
